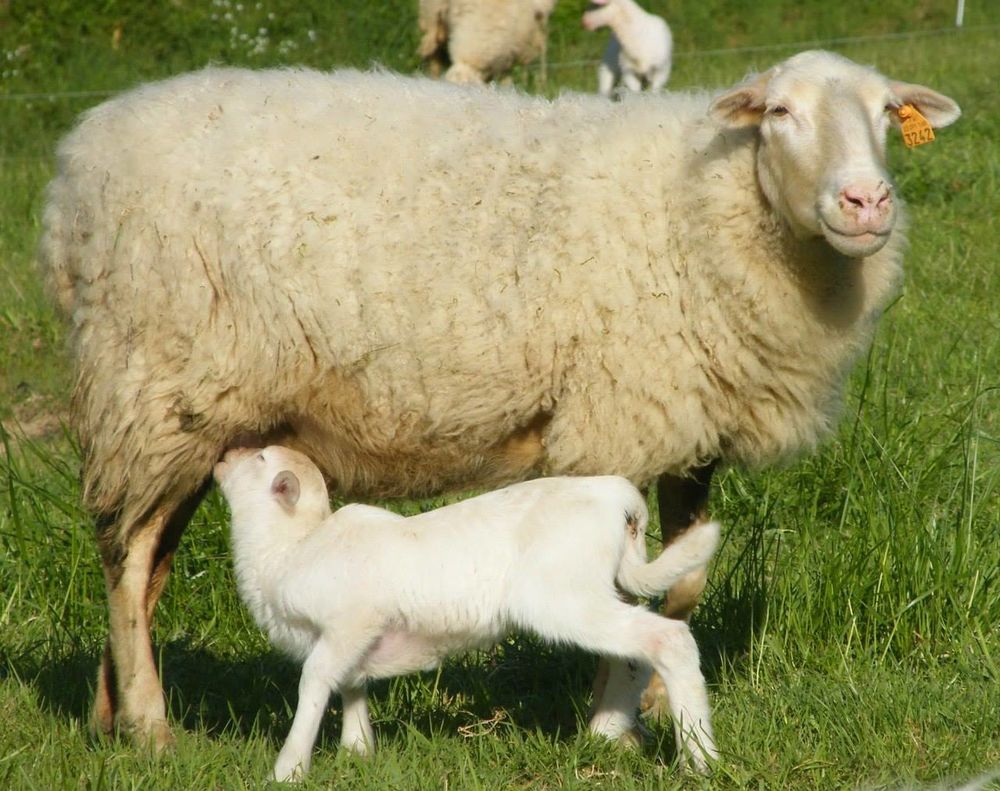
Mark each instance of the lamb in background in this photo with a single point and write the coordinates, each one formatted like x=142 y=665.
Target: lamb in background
x=482 y=39
x=365 y=594
x=639 y=49
x=260 y=252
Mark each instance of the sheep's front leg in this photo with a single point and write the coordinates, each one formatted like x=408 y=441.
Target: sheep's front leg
x=683 y=502
x=314 y=692
x=617 y=689
x=658 y=78
x=356 y=733
x=323 y=672
x=606 y=78
x=631 y=81
x=128 y=685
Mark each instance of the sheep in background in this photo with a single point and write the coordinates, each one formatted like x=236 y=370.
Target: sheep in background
x=639 y=49
x=482 y=39
x=365 y=594
x=264 y=252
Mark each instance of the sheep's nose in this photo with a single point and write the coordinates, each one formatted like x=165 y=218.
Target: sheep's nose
x=235 y=454
x=869 y=204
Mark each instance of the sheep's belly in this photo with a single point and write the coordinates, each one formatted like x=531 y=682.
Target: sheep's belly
x=398 y=652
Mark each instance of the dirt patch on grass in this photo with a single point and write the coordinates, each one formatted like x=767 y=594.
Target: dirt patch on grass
x=34 y=419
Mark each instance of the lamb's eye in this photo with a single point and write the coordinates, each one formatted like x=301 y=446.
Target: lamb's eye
x=260 y=457
x=778 y=110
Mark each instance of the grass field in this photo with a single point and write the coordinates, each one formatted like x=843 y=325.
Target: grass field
x=851 y=630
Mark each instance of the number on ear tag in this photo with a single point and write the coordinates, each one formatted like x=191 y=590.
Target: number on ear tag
x=915 y=128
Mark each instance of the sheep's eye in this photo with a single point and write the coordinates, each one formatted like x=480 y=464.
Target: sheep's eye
x=260 y=457
x=778 y=110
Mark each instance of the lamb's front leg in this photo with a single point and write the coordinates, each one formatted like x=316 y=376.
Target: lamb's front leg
x=356 y=734
x=322 y=672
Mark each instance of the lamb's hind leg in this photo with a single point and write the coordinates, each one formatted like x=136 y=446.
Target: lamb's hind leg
x=683 y=502
x=128 y=687
x=621 y=630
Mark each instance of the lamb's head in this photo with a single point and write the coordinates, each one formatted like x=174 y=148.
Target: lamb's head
x=822 y=122
x=602 y=13
x=273 y=482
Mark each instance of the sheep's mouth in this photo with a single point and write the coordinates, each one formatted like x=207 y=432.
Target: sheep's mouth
x=856 y=244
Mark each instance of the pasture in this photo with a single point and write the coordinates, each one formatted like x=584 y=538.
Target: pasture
x=850 y=633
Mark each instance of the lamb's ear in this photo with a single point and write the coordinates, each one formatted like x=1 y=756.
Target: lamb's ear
x=742 y=105
x=937 y=108
x=285 y=489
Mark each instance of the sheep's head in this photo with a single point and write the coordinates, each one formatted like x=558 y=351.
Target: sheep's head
x=272 y=481
x=601 y=13
x=822 y=122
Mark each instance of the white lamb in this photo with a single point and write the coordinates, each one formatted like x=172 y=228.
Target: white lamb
x=477 y=40
x=639 y=49
x=364 y=593
x=426 y=288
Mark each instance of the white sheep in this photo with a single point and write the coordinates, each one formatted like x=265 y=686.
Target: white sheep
x=365 y=594
x=481 y=39
x=639 y=49
x=425 y=288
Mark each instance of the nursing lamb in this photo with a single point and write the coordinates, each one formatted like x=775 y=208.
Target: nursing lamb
x=425 y=288
x=365 y=594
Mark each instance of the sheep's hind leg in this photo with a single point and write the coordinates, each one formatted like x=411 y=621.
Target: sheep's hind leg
x=617 y=629
x=683 y=502
x=617 y=689
x=128 y=687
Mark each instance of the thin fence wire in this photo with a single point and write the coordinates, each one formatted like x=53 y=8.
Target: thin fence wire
x=812 y=44
x=703 y=53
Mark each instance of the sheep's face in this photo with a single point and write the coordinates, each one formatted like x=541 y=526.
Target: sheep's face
x=601 y=13
x=822 y=122
x=272 y=481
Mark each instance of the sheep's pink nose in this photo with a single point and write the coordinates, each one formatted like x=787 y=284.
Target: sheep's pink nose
x=868 y=205
x=235 y=454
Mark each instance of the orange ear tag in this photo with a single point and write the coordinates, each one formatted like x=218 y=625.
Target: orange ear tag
x=915 y=128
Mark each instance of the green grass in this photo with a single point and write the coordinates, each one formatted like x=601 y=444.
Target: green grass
x=851 y=630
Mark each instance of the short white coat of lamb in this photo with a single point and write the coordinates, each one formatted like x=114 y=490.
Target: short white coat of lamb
x=640 y=48
x=363 y=593
x=478 y=40
x=424 y=288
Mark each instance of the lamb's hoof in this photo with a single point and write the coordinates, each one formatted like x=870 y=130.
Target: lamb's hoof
x=635 y=737
x=654 y=703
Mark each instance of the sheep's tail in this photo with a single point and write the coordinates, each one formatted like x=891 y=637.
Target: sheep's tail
x=689 y=551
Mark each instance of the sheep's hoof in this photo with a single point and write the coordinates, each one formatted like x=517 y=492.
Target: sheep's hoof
x=102 y=721
x=155 y=737
x=654 y=703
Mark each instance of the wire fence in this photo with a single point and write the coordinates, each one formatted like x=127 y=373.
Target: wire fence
x=797 y=45
x=573 y=64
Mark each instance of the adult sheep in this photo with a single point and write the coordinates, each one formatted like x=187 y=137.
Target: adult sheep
x=477 y=40
x=425 y=288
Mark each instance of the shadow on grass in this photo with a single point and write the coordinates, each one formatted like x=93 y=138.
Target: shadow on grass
x=533 y=686
x=536 y=687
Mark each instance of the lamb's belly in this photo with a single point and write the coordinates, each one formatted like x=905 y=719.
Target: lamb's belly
x=398 y=652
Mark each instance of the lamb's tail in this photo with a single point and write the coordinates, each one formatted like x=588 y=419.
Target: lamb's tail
x=691 y=550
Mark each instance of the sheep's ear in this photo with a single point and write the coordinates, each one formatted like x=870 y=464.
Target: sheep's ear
x=937 y=108
x=285 y=489
x=743 y=105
